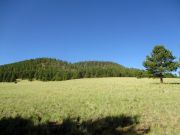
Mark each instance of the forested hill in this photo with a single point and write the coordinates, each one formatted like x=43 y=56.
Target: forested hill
x=47 y=69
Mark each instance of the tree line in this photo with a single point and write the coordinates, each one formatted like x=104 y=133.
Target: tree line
x=48 y=69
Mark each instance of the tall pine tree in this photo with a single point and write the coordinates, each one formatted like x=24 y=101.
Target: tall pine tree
x=160 y=62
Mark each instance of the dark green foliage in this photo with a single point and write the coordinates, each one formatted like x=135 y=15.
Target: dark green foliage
x=121 y=125
x=46 y=69
x=160 y=63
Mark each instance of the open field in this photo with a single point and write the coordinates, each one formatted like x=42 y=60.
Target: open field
x=156 y=105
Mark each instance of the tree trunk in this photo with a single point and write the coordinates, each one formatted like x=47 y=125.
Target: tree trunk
x=161 y=80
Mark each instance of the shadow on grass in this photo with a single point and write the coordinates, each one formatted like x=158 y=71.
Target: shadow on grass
x=122 y=125
x=172 y=83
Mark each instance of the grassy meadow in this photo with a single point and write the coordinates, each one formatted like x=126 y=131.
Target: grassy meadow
x=156 y=105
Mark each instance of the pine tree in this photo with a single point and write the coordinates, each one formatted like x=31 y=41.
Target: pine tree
x=160 y=62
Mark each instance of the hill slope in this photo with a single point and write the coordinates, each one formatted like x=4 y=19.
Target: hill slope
x=47 y=69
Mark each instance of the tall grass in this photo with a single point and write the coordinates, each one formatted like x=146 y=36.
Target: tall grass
x=157 y=105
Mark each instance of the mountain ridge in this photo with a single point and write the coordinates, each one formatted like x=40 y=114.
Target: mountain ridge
x=51 y=69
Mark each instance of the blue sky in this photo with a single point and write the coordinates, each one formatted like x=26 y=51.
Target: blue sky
x=122 y=31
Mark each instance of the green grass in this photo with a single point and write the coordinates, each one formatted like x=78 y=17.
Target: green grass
x=157 y=105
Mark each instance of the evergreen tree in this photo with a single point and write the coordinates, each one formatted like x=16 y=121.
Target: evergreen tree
x=160 y=62
x=46 y=69
x=13 y=78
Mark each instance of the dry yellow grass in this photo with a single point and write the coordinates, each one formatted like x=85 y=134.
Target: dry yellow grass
x=157 y=105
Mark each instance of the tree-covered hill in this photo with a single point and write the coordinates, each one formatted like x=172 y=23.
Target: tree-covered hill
x=47 y=69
